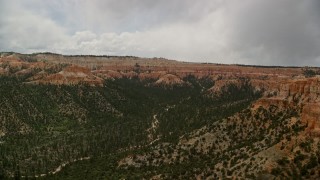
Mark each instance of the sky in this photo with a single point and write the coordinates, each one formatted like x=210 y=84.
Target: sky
x=257 y=32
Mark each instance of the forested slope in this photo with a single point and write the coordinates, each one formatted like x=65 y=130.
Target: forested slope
x=44 y=126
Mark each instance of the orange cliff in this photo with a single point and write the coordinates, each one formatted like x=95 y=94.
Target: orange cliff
x=302 y=95
x=94 y=69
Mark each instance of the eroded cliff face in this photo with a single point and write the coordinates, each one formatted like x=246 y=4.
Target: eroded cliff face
x=72 y=74
x=302 y=95
x=170 y=79
x=58 y=69
x=307 y=94
x=311 y=115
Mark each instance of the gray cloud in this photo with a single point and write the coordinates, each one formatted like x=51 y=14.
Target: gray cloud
x=273 y=32
x=22 y=30
x=285 y=31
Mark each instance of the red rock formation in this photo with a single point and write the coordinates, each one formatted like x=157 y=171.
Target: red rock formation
x=169 y=79
x=303 y=95
x=93 y=69
x=69 y=75
x=311 y=115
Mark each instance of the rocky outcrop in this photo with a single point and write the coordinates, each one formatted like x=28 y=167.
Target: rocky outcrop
x=302 y=95
x=310 y=115
x=170 y=79
x=70 y=75
x=306 y=88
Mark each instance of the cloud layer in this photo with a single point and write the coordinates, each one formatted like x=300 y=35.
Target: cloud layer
x=273 y=32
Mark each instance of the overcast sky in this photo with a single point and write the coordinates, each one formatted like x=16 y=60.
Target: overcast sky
x=265 y=32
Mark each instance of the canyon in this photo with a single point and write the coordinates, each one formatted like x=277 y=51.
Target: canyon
x=271 y=115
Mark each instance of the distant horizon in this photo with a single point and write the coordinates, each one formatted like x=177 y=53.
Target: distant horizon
x=180 y=61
